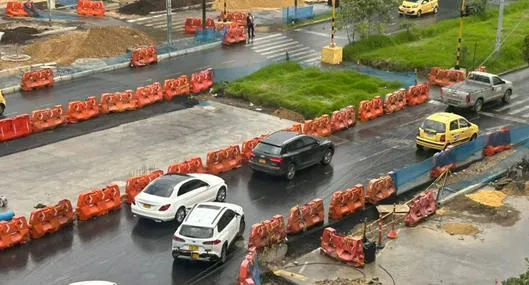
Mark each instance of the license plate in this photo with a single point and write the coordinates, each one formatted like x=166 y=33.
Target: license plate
x=146 y=206
x=262 y=161
x=193 y=248
x=195 y=256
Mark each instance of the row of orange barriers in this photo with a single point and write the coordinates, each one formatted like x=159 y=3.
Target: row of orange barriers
x=176 y=87
x=144 y=56
x=224 y=160
x=98 y=202
x=192 y=25
x=16 y=9
x=444 y=77
x=41 y=78
x=91 y=8
x=136 y=184
x=47 y=119
x=267 y=233
x=318 y=127
x=50 y=219
x=305 y=217
x=245 y=272
x=371 y=109
x=193 y=165
x=235 y=34
x=418 y=94
x=343 y=248
x=348 y=202
x=394 y=102
x=14 y=128
x=421 y=208
x=201 y=81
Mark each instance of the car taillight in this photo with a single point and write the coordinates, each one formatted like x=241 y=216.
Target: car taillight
x=468 y=98
x=212 y=242
x=277 y=160
x=175 y=238
x=443 y=138
x=164 y=207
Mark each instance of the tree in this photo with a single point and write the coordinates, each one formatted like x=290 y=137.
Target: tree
x=525 y=49
x=364 y=16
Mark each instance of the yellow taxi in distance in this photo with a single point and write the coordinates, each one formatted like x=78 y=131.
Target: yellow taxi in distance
x=418 y=7
x=2 y=103
x=440 y=130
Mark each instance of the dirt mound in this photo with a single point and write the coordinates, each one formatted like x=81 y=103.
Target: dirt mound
x=492 y=199
x=478 y=168
x=288 y=115
x=94 y=43
x=464 y=207
x=344 y=281
x=18 y=35
x=143 y=7
x=461 y=229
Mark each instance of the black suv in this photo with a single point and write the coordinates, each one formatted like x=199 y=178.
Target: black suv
x=283 y=152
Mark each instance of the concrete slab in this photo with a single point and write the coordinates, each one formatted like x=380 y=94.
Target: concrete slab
x=67 y=168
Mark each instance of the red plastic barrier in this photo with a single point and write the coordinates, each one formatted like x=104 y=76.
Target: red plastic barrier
x=37 y=79
x=234 y=35
x=224 y=160
x=176 y=87
x=47 y=119
x=149 y=94
x=14 y=232
x=201 y=81
x=50 y=219
x=348 y=202
x=144 y=56
x=191 y=25
x=91 y=8
x=83 y=110
x=16 y=9
x=236 y=17
x=380 y=189
x=13 y=128
x=118 y=102
x=422 y=207
x=98 y=202
x=247 y=148
x=306 y=217
x=342 y=248
x=136 y=184
x=267 y=233
x=418 y=94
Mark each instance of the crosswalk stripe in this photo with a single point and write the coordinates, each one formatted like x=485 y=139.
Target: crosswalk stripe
x=173 y=24
x=303 y=57
x=302 y=52
x=147 y=18
x=279 y=40
x=277 y=46
x=511 y=105
x=312 y=59
x=526 y=115
x=518 y=110
x=515 y=96
x=282 y=50
x=267 y=37
x=282 y=53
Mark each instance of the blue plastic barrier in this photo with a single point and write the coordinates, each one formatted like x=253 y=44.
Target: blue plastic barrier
x=208 y=35
x=501 y=137
x=465 y=151
x=519 y=135
x=412 y=172
x=445 y=157
x=7 y=216
x=301 y=13
x=256 y=272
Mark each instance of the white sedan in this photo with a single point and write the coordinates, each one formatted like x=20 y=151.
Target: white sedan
x=170 y=196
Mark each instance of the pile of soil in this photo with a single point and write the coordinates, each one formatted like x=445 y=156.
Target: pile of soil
x=18 y=35
x=143 y=7
x=479 y=167
x=461 y=229
x=345 y=281
x=97 y=42
x=289 y=115
x=463 y=207
x=512 y=189
x=492 y=199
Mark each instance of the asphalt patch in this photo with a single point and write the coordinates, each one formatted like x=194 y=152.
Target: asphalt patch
x=18 y=35
x=464 y=207
x=144 y=7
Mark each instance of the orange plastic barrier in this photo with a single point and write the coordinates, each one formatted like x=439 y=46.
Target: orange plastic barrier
x=380 y=189
x=50 y=219
x=191 y=25
x=14 y=232
x=394 y=102
x=418 y=94
x=144 y=56
x=83 y=110
x=437 y=171
x=350 y=116
x=47 y=119
x=306 y=217
x=236 y=17
x=98 y=202
x=482 y=69
x=444 y=77
x=342 y=248
x=247 y=148
x=118 y=102
x=267 y=233
x=318 y=127
x=13 y=128
x=422 y=207
x=345 y=203
x=298 y=128
x=497 y=142
x=16 y=9
x=136 y=184
x=91 y=8
x=176 y=87
x=235 y=35
x=193 y=165
x=224 y=160
x=245 y=272
x=338 y=121
x=149 y=94
x=201 y=81
x=309 y=128
x=366 y=111
x=37 y=79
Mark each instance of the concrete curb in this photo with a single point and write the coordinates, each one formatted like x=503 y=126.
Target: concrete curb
x=13 y=89
x=473 y=187
x=513 y=70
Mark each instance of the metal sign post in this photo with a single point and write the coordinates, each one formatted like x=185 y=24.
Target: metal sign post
x=459 y=39
x=169 y=23
x=333 y=31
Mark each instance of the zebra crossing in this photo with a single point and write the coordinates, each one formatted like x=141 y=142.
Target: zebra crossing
x=517 y=110
x=159 y=20
x=275 y=46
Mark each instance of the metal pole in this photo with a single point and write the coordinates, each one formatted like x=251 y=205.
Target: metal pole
x=49 y=13
x=500 y=28
x=225 y=11
x=295 y=10
x=333 y=44
x=204 y=16
x=459 y=39
x=169 y=23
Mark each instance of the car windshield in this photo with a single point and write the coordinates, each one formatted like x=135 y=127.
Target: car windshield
x=161 y=187
x=433 y=126
x=414 y=1
x=196 y=232
x=268 y=148
x=478 y=78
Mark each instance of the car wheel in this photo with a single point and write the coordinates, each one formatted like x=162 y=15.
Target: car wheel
x=506 y=97
x=327 y=157
x=242 y=226
x=221 y=195
x=223 y=254
x=436 y=10
x=419 y=13
x=473 y=137
x=291 y=171
x=180 y=215
x=478 y=105
x=2 y=108
x=419 y=147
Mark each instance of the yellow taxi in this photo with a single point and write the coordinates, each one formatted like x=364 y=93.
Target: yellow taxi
x=440 y=130
x=2 y=103
x=418 y=7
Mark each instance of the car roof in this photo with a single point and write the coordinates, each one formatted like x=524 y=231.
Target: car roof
x=207 y=214
x=444 y=117
x=280 y=138
x=174 y=178
x=482 y=73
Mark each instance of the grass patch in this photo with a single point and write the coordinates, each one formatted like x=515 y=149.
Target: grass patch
x=309 y=91
x=424 y=48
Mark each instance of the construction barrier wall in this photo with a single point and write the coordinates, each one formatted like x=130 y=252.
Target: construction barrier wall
x=301 y=13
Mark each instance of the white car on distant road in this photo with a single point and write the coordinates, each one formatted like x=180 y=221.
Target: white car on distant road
x=208 y=232
x=170 y=196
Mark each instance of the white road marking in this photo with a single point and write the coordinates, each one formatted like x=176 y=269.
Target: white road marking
x=507 y=106
x=267 y=37
x=283 y=50
x=275 y=41
x=518 y=110
x=502 y=117
x=303 y=268
x=319 y=34
x=277 y=46
x=312 y=59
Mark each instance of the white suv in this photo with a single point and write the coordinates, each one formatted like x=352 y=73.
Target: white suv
x=208 y=231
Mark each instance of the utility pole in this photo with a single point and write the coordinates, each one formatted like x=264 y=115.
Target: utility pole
x=204 y=16
x=500 y=28
x=169 y=22
x=49 y=11
x=333 y=44
x=460 y=38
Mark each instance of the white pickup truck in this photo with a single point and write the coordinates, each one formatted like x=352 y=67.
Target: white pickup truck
x=477 y=89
